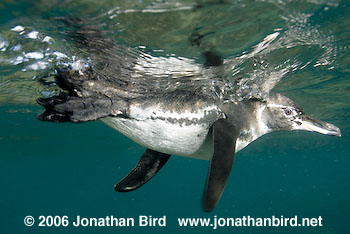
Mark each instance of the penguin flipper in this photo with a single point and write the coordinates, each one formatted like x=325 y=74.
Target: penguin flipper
x=224 y=141
x=149 y=164
x=63 y=108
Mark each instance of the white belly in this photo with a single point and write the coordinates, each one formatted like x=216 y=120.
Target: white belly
x=189 y=141
x=163 y=136
x=181 y=130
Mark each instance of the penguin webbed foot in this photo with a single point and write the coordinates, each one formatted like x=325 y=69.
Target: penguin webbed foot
x=63 y=108
x=50 y=113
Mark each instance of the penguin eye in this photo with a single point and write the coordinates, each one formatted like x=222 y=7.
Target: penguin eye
x=288 y=111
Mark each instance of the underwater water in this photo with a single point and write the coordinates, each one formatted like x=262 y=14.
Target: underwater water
x=50 y=169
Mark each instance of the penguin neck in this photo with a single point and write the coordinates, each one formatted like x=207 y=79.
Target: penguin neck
x=250 y=119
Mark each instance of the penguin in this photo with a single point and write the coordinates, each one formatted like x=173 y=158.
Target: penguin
x=188 y=124
x=192 y=123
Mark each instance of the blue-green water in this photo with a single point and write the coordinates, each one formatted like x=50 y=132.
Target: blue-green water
x=69 y=169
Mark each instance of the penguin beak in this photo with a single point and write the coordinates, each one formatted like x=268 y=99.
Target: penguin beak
x=310 y=124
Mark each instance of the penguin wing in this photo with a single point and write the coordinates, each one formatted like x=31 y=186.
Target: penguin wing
x=224 y=141
x=150 y=163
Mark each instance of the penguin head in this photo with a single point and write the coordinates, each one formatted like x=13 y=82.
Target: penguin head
x=282 y=113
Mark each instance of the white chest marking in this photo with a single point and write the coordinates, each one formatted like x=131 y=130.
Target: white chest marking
x=254 y=132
